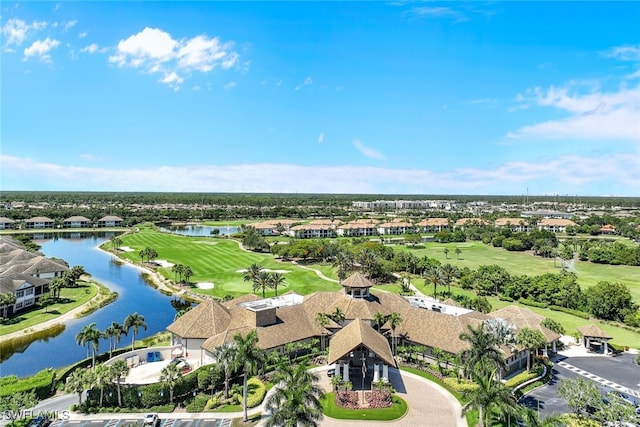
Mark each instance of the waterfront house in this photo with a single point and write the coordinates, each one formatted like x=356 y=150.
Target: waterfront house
x=7 y=223
x=556 y=225
x=76 y=222
x=39 y=222
x=110 y=221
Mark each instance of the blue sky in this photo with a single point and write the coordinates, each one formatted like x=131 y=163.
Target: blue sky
x=327 y=97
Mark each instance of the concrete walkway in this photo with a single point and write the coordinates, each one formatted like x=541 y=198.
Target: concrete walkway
x=429 y=404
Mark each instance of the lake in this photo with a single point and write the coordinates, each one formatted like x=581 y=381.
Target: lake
x=199 y=230
x=59 y=348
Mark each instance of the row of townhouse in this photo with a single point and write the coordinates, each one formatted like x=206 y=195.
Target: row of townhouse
x=42 y=222
x=399 y=226
x=24 y=274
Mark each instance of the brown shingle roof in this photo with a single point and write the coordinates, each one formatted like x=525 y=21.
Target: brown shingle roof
x=77 y=219
x=433 y=222
x=207 y=319
x=522 y=317
x=39 y=219
x=593 y=331
x=556 y=222
x=355 y=334
x=357 y=280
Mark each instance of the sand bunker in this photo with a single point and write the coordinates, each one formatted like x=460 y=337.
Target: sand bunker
x=268 y=270
x=125 y=249
x=205 y=285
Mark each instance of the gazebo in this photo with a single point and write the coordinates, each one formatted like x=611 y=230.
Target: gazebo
x=593 y=334
x=359 y=349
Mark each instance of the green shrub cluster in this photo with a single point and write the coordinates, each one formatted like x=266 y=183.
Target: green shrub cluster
x=532 y=303
x=571 y=311
x=198 y=404
x=256 y=392
x=40 y=383
x=522 y=378
x=461 y=386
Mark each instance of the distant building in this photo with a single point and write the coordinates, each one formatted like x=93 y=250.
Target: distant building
x=76 y=222
x=7 y=223
x=110 y=221
x=555 y=225
x=513 y=224
x=39 y=222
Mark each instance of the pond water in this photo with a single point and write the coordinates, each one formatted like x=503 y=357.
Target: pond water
x=199 y=230
x=58 y=348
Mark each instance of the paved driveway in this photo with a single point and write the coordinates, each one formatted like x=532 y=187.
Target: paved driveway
x=429 y=404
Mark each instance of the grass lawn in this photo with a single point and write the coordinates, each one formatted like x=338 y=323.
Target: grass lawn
x=475 y=254
x=218 y=261
x=252 y=421
x=70 y=299
x=398 y=409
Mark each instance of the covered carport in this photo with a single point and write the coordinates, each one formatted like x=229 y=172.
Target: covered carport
x=594 y=338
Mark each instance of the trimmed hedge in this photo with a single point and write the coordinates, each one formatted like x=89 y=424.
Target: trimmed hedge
x=40 y=383
x=523 y=377
x=461 y=386
x=256 y=391
x=532 y=303
x=571 y=311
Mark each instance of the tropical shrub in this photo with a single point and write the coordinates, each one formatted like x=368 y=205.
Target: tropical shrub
x=460 y=385
x=256 y=392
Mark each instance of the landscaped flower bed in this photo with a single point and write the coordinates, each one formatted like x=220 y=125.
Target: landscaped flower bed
x=347 y=399
x=378 y=399
x=375 y=399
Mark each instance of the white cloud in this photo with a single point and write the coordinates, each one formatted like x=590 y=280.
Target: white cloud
x=16 y=31
x=321 y=138
x=93 y=48
x=172 y=79
x=230 y=85
x=69 y=24
x=367 y=151
x=153 y=50
x=597 y=174
x=197 y=88
x=41 y=49
x=89 y=157
x=82 y=35
x=624 y=53
x=307 y=82
x=591 y=114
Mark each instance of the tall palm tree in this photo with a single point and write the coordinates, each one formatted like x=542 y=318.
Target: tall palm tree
x=102 y=377
x=262 y=282
x=531 y=339
x=434 y=276
x=249 y=356
x=380 y=320
x=225 y=356
x=449 y=272
x=322 y=320
x=135 y=321
x=252 y=272
x=394 y=321
x=77 y=382
x=344 y=264
x=120 y=370
x=55 y=285
x=458 y=251
x=171 y=376
x=446 y=253
x=113 y=332
x=483 y=354
x=187 y=272
x=295 y=401
x=489 y=395
x=177 y=269
x=276 y=280
x=531 y=418
x=90 y=336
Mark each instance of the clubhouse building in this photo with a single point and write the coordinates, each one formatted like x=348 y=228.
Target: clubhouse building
x=357 y=344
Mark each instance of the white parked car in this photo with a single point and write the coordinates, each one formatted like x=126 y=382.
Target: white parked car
x=151 y=419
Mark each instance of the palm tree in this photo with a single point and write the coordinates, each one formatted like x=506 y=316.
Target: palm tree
x=337 y=315
x=249 y=356
x=530 y=339
x=102 y=376
x=531 y=418
x=120 y=370
x=177 y=269
x=380 y=320
x=171 y=376
x=344 y=264
x=434 y=276
x=488 y=395
x=449 y=272
x=276 y=280
x=187 y=272
x=77 y=382
x=483 y=355
x=296 y=398
x=394 y=321
x=90 y=336
x=252 y=272
x=225 y=356
x=322 y=320
x=135 y=321
x=113 y=332
x=262 y=282
x=55 y=285
x=458 y=251
x=446 y=253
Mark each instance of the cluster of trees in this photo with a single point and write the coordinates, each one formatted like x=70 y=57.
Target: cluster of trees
x=584 y=398
x=148 y=253
x=263 y=280
x=90 y=335
x=182 y=273
x=252 y=239
x=615 y=253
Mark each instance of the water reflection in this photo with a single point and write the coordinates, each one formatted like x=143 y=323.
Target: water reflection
x=200 y=230
x=58 y=348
